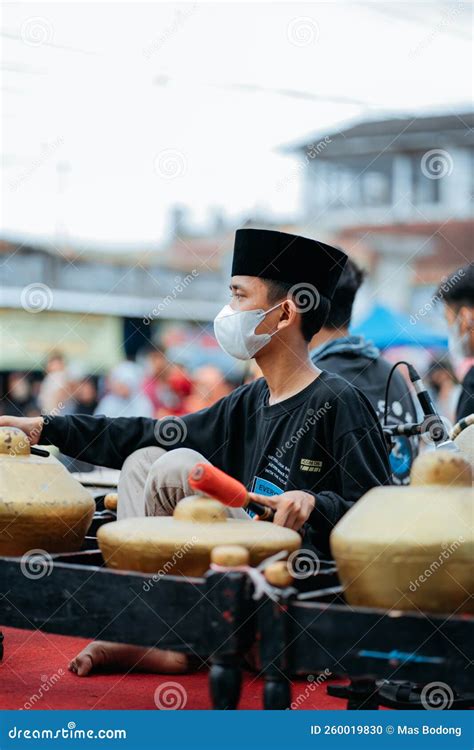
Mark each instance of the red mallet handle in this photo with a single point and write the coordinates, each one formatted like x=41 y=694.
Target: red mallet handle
x=209 y=480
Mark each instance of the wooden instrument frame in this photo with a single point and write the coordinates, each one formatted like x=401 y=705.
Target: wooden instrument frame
x=215 y=617
x=210 y=617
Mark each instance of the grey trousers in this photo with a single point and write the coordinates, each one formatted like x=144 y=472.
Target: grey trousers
x=153 y=481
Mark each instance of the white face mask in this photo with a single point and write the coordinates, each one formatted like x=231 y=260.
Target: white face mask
x=457 y=345
x=235 y=331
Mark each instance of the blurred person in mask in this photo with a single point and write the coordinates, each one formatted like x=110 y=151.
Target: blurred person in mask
x=19 y=400
x=53 y=389
x=457 y=294
x=124 y=398
x=444 y=387
x=361 y=363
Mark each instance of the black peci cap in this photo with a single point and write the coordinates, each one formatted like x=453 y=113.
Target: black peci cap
x=287 y=258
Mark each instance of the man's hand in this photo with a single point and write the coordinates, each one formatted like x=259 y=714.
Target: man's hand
x=31 y=426
x=292 y=509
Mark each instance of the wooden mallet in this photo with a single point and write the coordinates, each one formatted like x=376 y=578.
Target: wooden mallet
x=206 y=479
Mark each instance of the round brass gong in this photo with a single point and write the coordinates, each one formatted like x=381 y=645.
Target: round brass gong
x=411 y=548
x=181 y=544
x=41 y=505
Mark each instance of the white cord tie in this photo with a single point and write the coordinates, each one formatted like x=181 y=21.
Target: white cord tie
x=260 y=583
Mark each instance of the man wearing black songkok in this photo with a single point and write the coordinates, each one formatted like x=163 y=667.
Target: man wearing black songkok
x=305 y=442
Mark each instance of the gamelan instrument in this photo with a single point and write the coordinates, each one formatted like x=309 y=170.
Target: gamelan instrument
x=41 y=505
x=463 y=436
x=302 y=627
x=182 y=544
x=411 y=548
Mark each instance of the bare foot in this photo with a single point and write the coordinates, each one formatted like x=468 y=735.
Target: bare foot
x=121 y=657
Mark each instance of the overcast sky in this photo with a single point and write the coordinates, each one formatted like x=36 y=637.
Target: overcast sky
x=115 y=112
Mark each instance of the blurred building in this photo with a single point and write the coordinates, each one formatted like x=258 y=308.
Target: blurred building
x=397 y=194
x=97 y=306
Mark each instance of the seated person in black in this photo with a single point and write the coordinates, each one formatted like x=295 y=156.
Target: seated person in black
x=305 y=442
x=457 y=293
x=357 y=360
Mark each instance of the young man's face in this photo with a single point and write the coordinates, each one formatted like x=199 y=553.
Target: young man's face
x=250 y=293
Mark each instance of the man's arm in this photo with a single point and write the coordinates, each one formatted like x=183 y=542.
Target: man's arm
x=465 y=405
x=104 y=441
x=107 y=441
x=98 y=440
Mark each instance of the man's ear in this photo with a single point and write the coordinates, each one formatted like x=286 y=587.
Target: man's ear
x=288 y=313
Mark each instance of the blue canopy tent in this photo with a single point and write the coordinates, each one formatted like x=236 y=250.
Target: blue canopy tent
x=387 y=328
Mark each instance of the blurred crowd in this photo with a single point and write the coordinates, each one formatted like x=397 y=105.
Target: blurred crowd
x=156 y=386
x=151 y=386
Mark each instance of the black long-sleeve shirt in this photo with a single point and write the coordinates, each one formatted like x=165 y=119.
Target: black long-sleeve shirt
x=325 y=440
x=465 y=405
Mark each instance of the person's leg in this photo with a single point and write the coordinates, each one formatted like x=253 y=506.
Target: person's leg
x=133 y=477
x=167 y=483
x=153 y=481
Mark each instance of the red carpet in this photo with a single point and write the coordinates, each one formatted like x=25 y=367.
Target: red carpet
x=34 y=674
